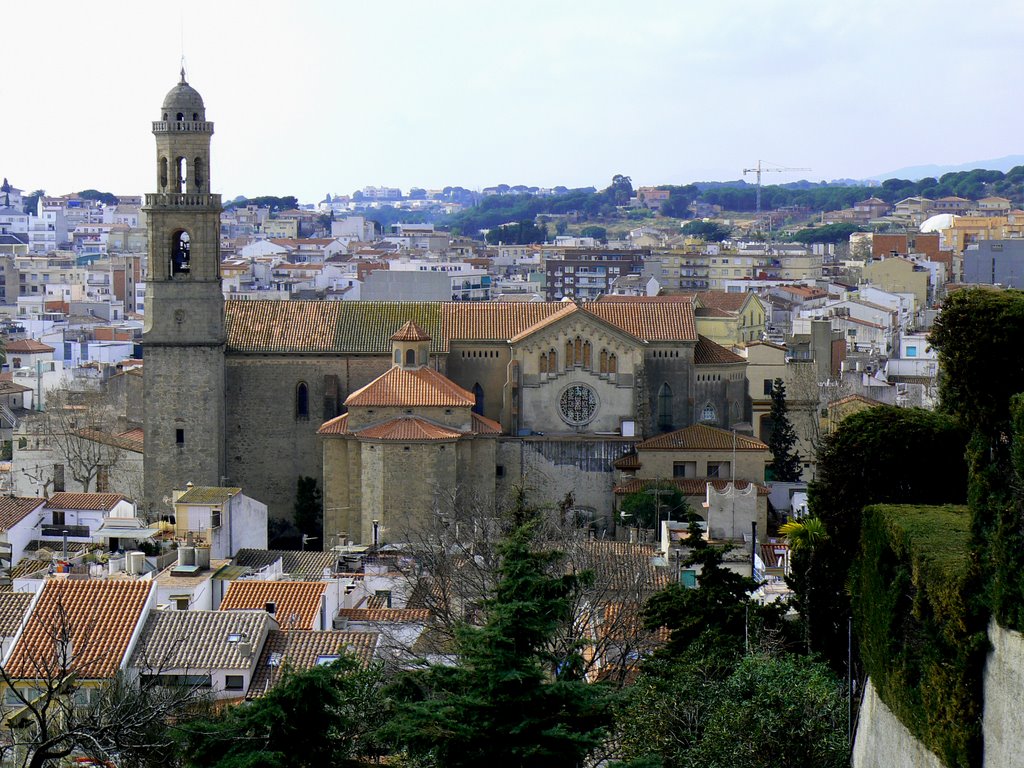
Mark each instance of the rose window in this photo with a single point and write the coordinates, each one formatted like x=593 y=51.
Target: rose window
x=578 y=404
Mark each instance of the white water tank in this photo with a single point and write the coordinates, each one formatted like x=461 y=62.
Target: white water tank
x=136 y=563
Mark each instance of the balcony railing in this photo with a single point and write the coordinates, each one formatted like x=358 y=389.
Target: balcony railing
x=186 y=200
x=184 y=126
x=74 y=531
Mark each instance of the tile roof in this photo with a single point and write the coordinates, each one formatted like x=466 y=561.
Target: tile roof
x=298 y=602
x=13 y=606
x=292 y=562
x=410 y=332
x=367 y=326
x=385 y=615
x=730 y=301
x=101 y=615
x=484 y=426
x=400 y=387
x=28 y=566
x=300 y=650
x=707 y=352
x=198 y=640
x=627 y=462
x=14 y=509
x=28 y=346
x=98 y=501
x=701 y=437
x=204 y=494
x=409 y=428
x=689 y=486
x=336 y=426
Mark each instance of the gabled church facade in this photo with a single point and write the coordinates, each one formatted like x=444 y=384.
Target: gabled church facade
x=396 y=407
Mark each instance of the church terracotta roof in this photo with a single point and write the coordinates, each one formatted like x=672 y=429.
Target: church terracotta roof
x=688 y=486
x=419 y=387
x=336 y=426
x=409 y=428
x=707 y=352
x=484 y=426
x=410 y=332
x=309 y=327
x=701 y=437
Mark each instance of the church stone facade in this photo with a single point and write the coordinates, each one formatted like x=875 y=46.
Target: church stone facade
x=249 y=393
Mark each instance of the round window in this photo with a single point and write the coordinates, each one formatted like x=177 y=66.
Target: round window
x=578 y=404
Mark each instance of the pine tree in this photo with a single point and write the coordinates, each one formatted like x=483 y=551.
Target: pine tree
x=508 y=702
x=785 y=463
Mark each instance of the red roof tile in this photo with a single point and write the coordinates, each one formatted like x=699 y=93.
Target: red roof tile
x=701 y=437
x=14 y=509
x=101 y=616
x=97 y=501
x=28 y=346
x=410 y=332
x=391 y=615
x=409 y=428
x=297 y=602
x=400 y=387
x=484 y=426
x=707 y=352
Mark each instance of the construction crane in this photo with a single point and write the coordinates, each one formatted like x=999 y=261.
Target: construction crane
x=758 y=171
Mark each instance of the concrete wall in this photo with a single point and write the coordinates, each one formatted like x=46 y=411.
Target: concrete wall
x=884 y=742
x=1003 y=725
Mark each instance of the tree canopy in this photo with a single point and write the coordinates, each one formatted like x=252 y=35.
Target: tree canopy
x=507 y=702
x=710 y=231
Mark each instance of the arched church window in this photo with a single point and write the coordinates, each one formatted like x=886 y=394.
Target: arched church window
x=543 y=362
x=552 y=361
x=578 y=352
x=613 y=363
x=165 y=117
x=180 y=173
x=708 y=413
x=198 y=173
x=587 y=355
x=195 y=117
x=332 y=399
x=568 y=354
x=181 y=253
x=163 y=173
x=302 y=401
x=478 y=397
x=410 y=357
x=603 y=364
x=665 y=408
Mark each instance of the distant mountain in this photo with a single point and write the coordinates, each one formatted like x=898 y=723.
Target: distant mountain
x=916 y=172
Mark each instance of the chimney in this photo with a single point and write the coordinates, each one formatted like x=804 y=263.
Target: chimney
x=271 y=608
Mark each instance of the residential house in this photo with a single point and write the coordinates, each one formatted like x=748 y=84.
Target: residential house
x=222 y=518
x=299 y=650
x=20 y=517
x=214 y=651
x=293 y=604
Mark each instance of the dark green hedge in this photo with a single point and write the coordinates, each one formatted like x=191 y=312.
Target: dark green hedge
x=922 y=624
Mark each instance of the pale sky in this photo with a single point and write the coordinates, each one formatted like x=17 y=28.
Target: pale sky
x=317 y=96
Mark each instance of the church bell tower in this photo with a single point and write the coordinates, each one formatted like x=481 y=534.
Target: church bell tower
x=183 y=337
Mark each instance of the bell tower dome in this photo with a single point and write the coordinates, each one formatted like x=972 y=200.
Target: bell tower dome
x=183 y=337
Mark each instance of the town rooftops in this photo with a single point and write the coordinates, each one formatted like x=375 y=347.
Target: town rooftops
x=27 y=347
x=298 y=650
x=400 y=387
x=13 y=606
x=100 y=616
x=200 y=640
x=204 y=494
x=14 y=509
x=729 y=301
x=87 y=501
x=701 y=437
x=296 y=604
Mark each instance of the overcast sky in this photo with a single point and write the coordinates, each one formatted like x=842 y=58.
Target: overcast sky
x=311 y=97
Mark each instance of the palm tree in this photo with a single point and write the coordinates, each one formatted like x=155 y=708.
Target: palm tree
x=803 y=537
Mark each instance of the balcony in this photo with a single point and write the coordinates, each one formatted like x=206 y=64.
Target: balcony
x=187 y=200
x=183 y=126
x=57 y=531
